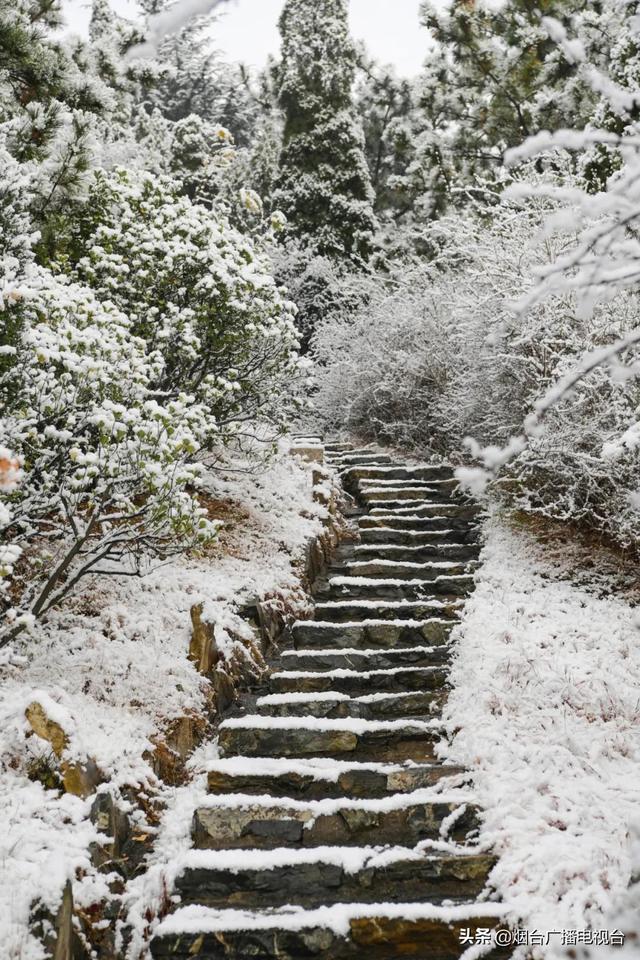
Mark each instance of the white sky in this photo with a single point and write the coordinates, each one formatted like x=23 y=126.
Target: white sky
x=247 y=29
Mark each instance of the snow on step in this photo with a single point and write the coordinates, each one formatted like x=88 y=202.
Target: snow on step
x=411 y=552
x=319 y=768
x=349 y=859
x=312 y=809
x=358 y=681
x=344 y=581
x=307 y=736
x=277 y=699
x=329 y=703
x=314 y=778
x=392 y=588
x=336 y=918
x=389 y=605
x=344 y=724
x=347 y=672
x=361 y=652
x=381 y=484
x=346 y=631
x=390 y=564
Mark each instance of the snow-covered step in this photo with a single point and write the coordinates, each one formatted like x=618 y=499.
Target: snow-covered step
x=434 y=528
x=371 y=459
x=337 y=446
x=256 y=735
x=383 y=483
x=364 y=624
x=414 y=553
x=242 y=821
x=364 y=706
x=412 y=494
x=382 y=931
x=358 y=681
x=365 y=658
x=317 y=778
x=422 y=509
x=405 y=569
x=273 y=878
x=336 y=753
x=426 y=618
x=382 y=588
x=427 y=473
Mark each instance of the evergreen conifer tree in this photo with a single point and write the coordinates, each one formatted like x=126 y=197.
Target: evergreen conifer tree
x=495 y=77
x=324 y=186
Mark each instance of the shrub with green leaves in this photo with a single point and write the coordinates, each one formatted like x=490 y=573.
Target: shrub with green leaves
x=196 y=290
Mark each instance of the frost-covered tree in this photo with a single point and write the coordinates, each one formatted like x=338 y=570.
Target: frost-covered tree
x=324 y=187
x=494 y=77
x=385 y=104
x=438 y=354
x=195 y=79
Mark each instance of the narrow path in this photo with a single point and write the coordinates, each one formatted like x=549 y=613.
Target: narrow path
x=331 y=829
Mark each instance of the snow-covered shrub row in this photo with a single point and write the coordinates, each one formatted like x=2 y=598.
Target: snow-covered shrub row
x=438 y=354
x=544 y=712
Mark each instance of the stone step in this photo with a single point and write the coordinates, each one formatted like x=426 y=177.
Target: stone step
x=430 y=483
x=422 y=509
x=426 y=618
x=410 y=553
x=387 y=740
x=316 y=779
x=346 y=460
x=379 y=588
x=389 y=472
x=332 y=704
x=452 y=529
x=375 y=496
x=365 y=658
x=243 y=822
x=329 y=875
x=357 y=682
x=356 y=627
x=395 y=569
x=352 y=932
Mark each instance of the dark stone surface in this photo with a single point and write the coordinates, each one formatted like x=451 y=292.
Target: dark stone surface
x=437 y=878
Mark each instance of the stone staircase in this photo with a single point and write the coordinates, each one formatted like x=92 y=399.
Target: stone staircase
x=331 y=829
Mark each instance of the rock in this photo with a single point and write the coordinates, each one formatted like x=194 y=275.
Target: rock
x=46 y=728
x=78 y=778
x=202 y=648
x=56 y=931
x=114 y=823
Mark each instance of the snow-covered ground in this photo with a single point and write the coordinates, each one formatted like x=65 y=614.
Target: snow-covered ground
x=111 y=668
x=546 y=714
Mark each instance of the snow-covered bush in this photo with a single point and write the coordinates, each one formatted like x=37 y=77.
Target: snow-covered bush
x=109 y=479
x=439 y=354
x=196 y=290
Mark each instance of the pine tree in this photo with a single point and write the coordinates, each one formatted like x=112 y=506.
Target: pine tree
x=385 y=103
x=196 y=80
x=494 y=78
x=324 y=187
